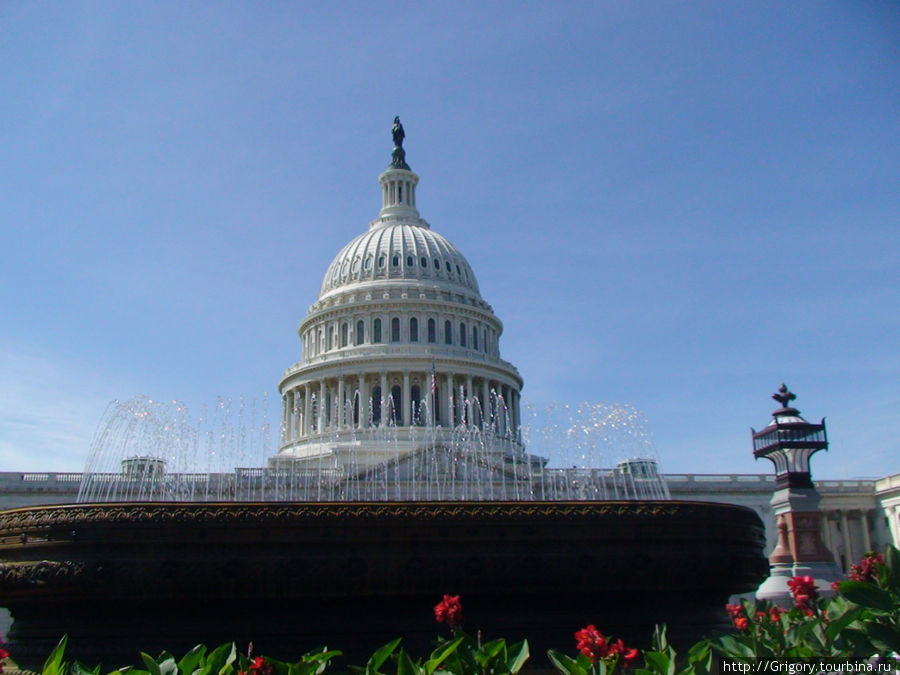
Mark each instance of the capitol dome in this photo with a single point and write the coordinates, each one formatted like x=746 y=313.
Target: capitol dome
x=398 y=350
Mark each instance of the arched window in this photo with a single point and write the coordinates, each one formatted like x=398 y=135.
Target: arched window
x=360 y=331
x=376 y=331
x=424 y=261
x=414 y=330
x=381 y=262
x=410 y=261
x=475 y=338
x=345 y=330
x=395 y=329
x=395 y=261
x=448 y=333
x=330 y=337
x=462 y=334
x=485 y=341
x=432 y=331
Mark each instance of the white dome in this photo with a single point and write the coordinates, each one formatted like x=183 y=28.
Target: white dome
x=399 y=251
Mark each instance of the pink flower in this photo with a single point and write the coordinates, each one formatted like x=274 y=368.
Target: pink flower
x=449 y=611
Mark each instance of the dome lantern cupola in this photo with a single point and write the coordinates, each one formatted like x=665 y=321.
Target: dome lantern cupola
x=398 y=185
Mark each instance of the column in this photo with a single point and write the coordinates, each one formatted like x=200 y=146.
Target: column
x=341 y=411
x=321 y=424
x=864 y=523
x=826 y=530
x=848 y=547
x=363 y=402
x=285 y=418
x=406 y=408
x=384 y=397
x=485 y=403
x=469 y=396
x=448 y=401
x=307 y=404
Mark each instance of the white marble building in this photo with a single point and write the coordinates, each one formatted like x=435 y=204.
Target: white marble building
x=398 y=337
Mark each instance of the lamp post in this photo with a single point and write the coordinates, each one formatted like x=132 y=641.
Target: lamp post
x=789 y=442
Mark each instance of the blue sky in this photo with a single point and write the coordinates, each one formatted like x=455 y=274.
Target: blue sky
x=675 y=206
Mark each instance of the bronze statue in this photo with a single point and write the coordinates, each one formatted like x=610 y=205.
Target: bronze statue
x=398 y=133
x=398 y=156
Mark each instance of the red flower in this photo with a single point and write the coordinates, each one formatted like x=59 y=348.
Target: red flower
x=775 y=613
x=592 y=643
x=449 y=611
x=867 y=567
x=3 y=656
x=630 y=656
x=805 y=593
x=735 y=611
x=742 y=623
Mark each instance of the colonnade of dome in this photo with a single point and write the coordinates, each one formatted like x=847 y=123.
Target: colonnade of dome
x=399 y=346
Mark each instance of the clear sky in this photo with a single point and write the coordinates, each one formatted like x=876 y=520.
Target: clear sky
x=671 y=205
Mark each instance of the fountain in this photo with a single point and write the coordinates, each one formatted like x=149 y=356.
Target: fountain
x=401 y=474
x=166 y=547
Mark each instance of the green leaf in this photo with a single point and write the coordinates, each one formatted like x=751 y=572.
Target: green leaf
x=565 y=664
x=659 y=663
x=885 y=639
x=518 y=655
x=439 y=655
x=380 y=656
x=152 y=666
x=867 y=595
x=54 y=664
x=733 y=648
x=189 y=661
x=405 y=665
x=838 y=623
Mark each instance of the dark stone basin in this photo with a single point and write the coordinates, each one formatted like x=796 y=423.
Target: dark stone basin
x=124 y=577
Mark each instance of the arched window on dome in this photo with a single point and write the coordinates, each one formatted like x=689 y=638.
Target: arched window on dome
x=437 y=264
x=424 y=261
x=448 y=267
x=381 y=262
x=485 y=341
x=410 y=261
x=475 y=338
x=458 y=272
x=330 y=344
x=462 y=334
x=432 y=330
x=413 y=329
x=395 y=329
x=376 y=331
x=368 y=264
x=448 y=333
x=395 y=261
x=345 y=330
x=360 y=331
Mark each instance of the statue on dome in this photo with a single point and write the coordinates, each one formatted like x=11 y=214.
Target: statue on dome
x=398 y=156
x=397 y=133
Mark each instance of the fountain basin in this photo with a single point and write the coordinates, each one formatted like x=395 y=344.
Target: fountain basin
x=123 y=577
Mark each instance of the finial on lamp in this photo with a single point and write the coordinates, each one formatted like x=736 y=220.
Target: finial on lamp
x=784 y=395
